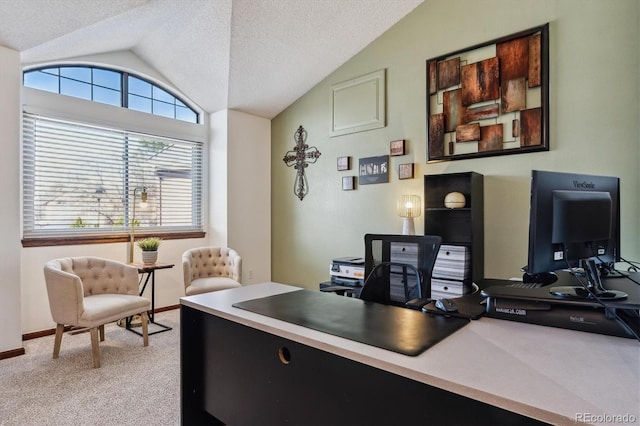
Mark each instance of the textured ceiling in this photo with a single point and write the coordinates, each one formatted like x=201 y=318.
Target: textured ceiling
x=256 y=56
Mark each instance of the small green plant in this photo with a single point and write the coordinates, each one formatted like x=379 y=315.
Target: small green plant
x=149 y=244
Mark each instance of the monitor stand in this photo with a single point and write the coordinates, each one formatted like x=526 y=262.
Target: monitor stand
x=593 y=289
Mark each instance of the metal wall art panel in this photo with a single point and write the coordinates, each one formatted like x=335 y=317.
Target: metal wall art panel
x=500 y=87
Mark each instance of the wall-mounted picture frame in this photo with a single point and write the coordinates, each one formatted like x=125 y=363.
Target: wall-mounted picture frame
x=490 y=99
x=396 y=147
x=405 y=171
x=374 y=170
x=344 y=163
x=358 y=104
x=348 y=183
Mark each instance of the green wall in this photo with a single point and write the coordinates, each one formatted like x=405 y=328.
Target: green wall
x=594 y=111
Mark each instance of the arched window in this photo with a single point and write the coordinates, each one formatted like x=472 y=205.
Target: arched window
x=110 y=87
x=83 y=173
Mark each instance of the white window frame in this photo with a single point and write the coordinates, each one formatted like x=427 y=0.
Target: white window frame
x=68 y=108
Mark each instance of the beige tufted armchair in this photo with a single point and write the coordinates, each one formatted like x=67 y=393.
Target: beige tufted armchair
x=90 y=292
x=211 y=269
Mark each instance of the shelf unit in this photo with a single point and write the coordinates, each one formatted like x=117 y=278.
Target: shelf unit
x=461 y=226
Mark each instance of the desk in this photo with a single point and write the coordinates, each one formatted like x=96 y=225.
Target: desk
x=491 y=371
x=150 y=271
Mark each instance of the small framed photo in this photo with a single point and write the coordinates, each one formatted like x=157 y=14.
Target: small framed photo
x=348 y=183
x=344 y=163
x=396 y=147
x=406 y=171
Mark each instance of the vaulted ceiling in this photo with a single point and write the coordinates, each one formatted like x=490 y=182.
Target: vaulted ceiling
x=256 y=56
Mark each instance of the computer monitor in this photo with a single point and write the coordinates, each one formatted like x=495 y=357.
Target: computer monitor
x=574 y=222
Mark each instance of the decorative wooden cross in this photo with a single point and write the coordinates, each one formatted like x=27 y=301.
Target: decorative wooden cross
x=300 y=158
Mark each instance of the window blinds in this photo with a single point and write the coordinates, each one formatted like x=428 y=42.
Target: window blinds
x=81 y=179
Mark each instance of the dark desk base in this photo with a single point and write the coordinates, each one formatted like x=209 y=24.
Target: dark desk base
x=235 y=374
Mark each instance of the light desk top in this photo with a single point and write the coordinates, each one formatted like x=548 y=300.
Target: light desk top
x=551 y=374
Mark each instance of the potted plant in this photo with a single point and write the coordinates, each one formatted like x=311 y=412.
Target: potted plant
x=149 y=247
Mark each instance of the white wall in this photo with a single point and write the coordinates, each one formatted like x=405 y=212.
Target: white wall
x=594 y=128
x=218 y=166
x=249 y=194
x=240 y=196
x=10 y=79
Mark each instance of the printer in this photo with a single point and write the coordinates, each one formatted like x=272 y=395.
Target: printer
x=347 y=271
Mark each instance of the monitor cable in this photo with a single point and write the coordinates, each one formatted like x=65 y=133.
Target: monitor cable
x=633 y=264
x=608 y=310
x=610 y=269
x=633 y=267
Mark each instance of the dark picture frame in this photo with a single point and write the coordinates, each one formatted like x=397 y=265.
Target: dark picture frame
x=343 y=163
x=490 y=99
x=396 y=147
x=373 y=170
x=348 y=183
x=405 y=171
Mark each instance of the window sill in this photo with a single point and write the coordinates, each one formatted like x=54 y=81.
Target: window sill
x=106 y=239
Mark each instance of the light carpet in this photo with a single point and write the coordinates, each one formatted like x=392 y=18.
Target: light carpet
x=134 y=385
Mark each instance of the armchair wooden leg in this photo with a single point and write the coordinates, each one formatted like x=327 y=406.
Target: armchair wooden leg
x=95 y=349
x=144 y=318
x=58 y=340
x=101 y=329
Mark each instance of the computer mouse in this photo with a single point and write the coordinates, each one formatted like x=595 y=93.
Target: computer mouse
x=446 y=305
